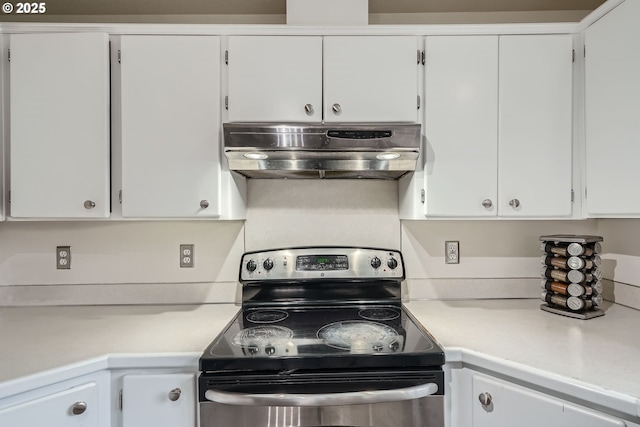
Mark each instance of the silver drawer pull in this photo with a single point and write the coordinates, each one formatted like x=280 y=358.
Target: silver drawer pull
x=79 y=408
x=89 y=204
x=485 y=398
x=308 y=108
x=175 y=394
x=322 y=399
x=204 y=204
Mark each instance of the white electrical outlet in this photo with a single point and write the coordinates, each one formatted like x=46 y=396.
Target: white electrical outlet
x=63 y=257
x=186 y=256
x=452 y=252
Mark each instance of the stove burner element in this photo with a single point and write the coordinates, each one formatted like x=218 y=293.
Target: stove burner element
x=267 y=316
x=357 y=336
x=262 y=335
x=379 y=313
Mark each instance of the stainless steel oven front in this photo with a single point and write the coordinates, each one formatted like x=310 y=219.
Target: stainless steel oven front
x=322 y=339
x=414 y=407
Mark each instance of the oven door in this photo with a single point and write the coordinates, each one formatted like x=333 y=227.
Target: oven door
x=344 y=399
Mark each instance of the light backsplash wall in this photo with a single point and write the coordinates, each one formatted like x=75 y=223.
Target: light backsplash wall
x=621 y=260
x=289 y=212
x=498 y=258
x=137 y=261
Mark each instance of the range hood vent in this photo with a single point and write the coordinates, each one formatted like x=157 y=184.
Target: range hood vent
x=302 y=150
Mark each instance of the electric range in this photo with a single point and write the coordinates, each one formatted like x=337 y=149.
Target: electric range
x=320 y=325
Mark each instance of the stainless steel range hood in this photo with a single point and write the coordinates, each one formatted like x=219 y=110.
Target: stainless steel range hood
x=306 y=150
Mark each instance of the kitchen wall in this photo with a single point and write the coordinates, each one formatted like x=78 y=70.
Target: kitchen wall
x=621 y=260
x=498 y=258
x=285 y=213
x=138 y=261
x=374 y=18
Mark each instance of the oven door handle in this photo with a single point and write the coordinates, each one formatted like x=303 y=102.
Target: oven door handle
x=322 y=399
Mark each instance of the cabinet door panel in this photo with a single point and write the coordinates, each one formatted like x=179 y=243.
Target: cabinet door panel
x=59 y=125
x=579 y=417
x=461 y=115
x=55 y=410
x=170 y=106
x=372 y=78
x=146 y=402
x=273 y=78
x=512 y=405
x=612 y=103
x=535 y=125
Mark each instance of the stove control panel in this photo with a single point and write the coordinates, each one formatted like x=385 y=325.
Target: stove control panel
x=322 y=263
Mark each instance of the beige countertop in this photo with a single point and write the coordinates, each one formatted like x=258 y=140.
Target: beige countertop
x=603 y=352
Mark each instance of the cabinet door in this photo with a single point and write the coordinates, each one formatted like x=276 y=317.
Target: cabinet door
x=170 y=112
x=461 y=115
x=159 y=400
x=276 y=78
x=513 y=406
x=535 y=126
x=612 y=103
x=75 y=407
x=59 y=125
x=580 y=417
x=370 y=79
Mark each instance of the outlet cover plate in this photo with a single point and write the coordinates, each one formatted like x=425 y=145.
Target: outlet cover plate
x=452 y=252
x=63 y=257
x=186 y=256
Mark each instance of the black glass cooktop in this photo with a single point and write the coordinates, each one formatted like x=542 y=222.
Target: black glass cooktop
x=322 y=337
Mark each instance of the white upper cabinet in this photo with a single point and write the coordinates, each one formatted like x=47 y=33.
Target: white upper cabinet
x=612 y=96
x=498 y=126
x=59 y=125
x=370 y=79
x=167 y=104
x=276 y=78
x=535 y=126
x=360 y=78
x=461 y=107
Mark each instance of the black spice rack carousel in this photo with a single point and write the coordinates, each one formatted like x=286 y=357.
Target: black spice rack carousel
x=571 y=274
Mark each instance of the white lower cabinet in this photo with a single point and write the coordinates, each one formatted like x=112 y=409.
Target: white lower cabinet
x=159 y=400
x=68 y=404
x=498 y=403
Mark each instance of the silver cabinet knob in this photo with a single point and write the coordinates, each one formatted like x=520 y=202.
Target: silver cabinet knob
x=79 y=408
x=337 y=109
x=487 y=203
x=308 y=108
x=175 y=394
x=204 y=204
x=514 y=203
x=89 y=204
x=485 y=398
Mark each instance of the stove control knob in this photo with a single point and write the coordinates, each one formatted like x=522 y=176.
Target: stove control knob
x=252 y=349
x=392 y=263
x=375 y=262
x=270 y=350
x=394 y=346
x=251 y=266
x=377 y=347
x=268 y=264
